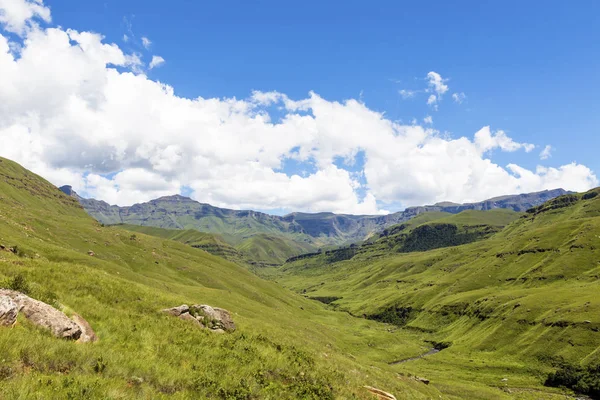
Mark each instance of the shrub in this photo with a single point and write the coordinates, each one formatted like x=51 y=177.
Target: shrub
x=589 y=195
x=584 y=380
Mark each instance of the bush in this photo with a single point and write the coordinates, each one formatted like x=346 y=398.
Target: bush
x=589 y=195
x=584 y=380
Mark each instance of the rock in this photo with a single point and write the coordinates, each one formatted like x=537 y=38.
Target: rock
x=189 y=317
x=213 y=317
x=587 y=321
x=8 y=311
x=44 y=315
x=504 y=380
x=91 y=253
x=87 y=333
x=177 y=311
x=380 y=393
x=422 y=380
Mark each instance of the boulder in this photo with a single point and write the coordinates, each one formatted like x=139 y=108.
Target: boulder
x=177 y=311
x=44 y=315
x=87 y=333
x=8 y=311
x=214 y=318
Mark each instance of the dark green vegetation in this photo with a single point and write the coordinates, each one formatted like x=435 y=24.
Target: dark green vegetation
x=269 y=239
x=285 y=346
x=585 y=380
x=514 y=305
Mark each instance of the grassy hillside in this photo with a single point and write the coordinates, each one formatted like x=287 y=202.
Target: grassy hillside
x=272 y=249
x=515 y=306
x=285 y=346
x=260 y=249
x=209 y=242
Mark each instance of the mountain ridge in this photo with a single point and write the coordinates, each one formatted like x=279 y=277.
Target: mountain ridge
x=318 y=229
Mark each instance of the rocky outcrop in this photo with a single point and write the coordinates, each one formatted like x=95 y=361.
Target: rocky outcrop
x=177 y=311
x=8 y=311
x=214 y=318
x=43 y=315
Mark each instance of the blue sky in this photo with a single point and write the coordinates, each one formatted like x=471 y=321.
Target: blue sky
x=530 y=69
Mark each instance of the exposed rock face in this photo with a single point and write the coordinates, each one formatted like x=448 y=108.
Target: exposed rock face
x=214 y=318
x=87 y=333
x=44 y=315
x=8 y=311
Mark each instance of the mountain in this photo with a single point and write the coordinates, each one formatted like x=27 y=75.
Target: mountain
x=309 y=230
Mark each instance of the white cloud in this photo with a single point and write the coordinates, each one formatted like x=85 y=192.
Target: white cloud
x=74 y=118
x=407 y=94
x=437 y=83
x=459 y=97
x=157 y=61
x=146 y=42
x=17 y=16
x=125 y=38
x=546 y=153
x=428 y=120
x=486 y=141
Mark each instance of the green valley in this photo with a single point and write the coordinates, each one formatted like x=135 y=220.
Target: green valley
x=506 y=310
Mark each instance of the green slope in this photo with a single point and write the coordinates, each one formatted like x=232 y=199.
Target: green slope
x=260 y=249
x=513 y=306
x=209 y=242
x=272 y=249
x=285 y=346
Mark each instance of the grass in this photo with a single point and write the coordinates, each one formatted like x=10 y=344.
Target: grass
x=514 y=306
x=285 y=346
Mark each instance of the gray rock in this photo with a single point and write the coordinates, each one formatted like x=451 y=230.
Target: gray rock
x=87 y=333
x=214 y=318
x=188 y=317
x=177 y=311
x=8 y=311
x=44 y=315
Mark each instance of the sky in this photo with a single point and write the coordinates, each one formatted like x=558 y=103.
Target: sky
x=350 y=107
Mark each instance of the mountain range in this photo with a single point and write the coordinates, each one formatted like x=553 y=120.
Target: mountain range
x=292 y=234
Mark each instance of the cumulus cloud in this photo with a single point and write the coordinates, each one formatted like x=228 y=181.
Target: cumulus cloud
x=17 y=16
x=156 y=61
x=486 y=141
x=428 y=120
x=459 y=97
x=74 y=110
x=546 y=153
x=146 y=42
x=437 y=83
